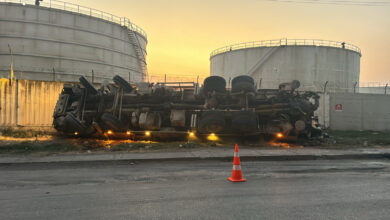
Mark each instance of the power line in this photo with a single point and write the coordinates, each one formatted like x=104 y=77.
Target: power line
x=335 y=2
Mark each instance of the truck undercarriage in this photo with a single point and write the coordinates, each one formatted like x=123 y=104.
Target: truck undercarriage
x=144 y=109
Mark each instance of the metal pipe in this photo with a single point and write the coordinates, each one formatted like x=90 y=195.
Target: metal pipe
x=120 y=104
x=84 y=103
x=279 y=105
x=276 y=110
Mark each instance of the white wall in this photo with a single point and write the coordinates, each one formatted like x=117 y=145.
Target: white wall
x=360 y=111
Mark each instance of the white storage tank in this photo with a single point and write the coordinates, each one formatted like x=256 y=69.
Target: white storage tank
x=313 y=62
x=59 y=41
x=43 y=47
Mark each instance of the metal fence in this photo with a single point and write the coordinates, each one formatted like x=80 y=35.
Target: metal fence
x=338 y=87
x=373 y=84
x=353 y=87
x=30 y=103
x=287 y=42
x=66 y=6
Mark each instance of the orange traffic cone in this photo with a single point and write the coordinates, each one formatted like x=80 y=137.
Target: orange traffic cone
x=236 y=173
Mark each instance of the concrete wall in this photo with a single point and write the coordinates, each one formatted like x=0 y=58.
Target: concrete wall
x=311 y=65
x=323 y=110
x=359 y=111
x=28 y=103
x=73 y=44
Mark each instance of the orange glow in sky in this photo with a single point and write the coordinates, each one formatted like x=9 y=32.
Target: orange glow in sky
x=182 y=33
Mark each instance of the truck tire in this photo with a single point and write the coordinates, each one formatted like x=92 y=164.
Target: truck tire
x=243 y=83
x=87 y=85
x=243 y=78
x=212 y=121
x=59 y=123
x=122 y=83
x=295 y=84
x=112 y=122
x=73 y=124
x=214 y=83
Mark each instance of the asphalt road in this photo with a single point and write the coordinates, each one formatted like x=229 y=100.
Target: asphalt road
x=342 y=189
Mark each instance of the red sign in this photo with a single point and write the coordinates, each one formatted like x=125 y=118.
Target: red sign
x=338 y=107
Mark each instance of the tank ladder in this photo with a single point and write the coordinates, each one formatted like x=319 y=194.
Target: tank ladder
x=139 y=52
x=262 y=60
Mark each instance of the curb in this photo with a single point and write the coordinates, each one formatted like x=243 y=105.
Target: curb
x=369 y=156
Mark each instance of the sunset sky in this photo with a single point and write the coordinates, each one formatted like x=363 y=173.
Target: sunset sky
x=182 y=33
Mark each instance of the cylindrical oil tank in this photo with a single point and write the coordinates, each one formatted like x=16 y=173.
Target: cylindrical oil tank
x=59 y=41
x=42 y=47
x=317 y=64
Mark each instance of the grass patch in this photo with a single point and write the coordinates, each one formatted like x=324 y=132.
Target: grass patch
x=23 y=133
x=361 y=138
x=89 y=145
x=153 y=146
x=32 y=147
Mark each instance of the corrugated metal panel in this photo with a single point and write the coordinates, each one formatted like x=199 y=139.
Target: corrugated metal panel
x=28 y=103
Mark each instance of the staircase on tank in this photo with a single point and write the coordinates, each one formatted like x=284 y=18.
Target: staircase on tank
x=139 y=51
x=262 y=60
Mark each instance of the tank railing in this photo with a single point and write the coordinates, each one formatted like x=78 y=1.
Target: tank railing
x=287 y=42
x=66 y=6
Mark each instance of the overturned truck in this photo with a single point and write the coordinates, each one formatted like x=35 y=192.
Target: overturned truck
x=143 y=109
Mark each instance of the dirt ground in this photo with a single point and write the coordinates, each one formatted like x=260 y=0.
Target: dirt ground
x=46 y=144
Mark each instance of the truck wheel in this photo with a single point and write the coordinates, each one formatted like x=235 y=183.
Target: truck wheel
x=243 y=78
x=214 y=83
x=243 y=83
x=123 y=83
x=87 y=85
x=73 y=124
x=112 y=122
x=59 y=123
x=295 y=84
